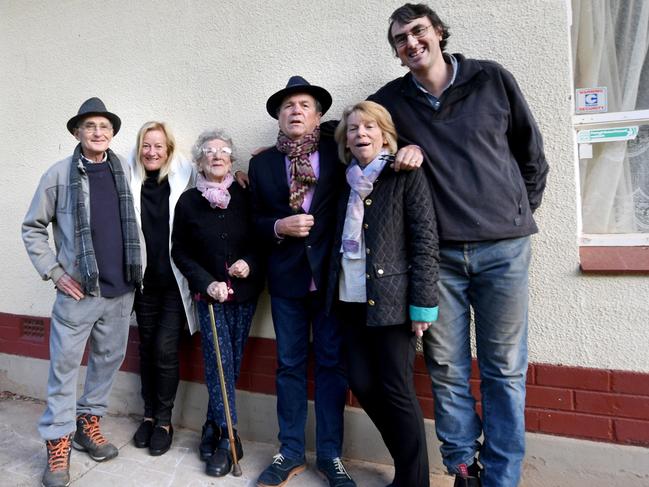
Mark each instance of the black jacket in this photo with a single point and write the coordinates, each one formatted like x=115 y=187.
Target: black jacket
x=401 y=247
x=292 y=262
x=205 y=240
x=484 y=151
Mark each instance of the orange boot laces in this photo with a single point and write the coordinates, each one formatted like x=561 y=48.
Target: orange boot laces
x=91 y=429
x=58 y=453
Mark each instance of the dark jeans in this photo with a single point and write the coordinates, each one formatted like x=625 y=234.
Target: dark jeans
x=161 y=319
x=380 y=361
x=293 y=319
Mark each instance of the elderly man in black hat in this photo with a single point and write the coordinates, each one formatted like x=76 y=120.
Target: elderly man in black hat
x=95 y=268
x=294 y=186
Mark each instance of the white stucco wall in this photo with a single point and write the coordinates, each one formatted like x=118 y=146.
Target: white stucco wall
x=198 y=64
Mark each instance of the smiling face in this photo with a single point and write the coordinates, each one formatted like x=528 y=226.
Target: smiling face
x=419 y=54
x=154 y=151
x=298 y=115
x=94 y=133
x=365 y=138
x=216 y=161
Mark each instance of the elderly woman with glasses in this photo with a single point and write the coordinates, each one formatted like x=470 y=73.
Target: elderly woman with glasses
x=383 y=279
x=158 y=177
x=214 y=248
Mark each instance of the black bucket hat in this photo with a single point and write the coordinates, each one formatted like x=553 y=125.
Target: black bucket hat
x=90 y=107
x=297 y=84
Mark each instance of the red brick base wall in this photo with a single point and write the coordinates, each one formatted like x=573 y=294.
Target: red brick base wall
x=595 y=404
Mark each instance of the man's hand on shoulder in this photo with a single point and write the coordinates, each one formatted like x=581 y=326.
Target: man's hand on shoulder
x=294 y=225
x=242 y=179
x=408 y=158
x=69 y=286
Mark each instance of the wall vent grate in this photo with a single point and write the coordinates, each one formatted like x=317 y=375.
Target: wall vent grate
x=32 y=329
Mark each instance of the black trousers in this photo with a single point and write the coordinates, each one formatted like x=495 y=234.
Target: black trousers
x=161 y=318
x=380 y=364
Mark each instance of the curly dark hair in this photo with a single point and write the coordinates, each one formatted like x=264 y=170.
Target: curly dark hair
x=411 y=11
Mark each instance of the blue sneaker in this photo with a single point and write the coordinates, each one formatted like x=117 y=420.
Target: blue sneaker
x=334 y=471
x=281 y=471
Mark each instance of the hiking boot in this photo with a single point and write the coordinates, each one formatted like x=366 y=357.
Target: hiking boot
x=468 y=476
x=57 y=471
x=334 y=471
x=142 y=436
x=161 y=440
x=281 y=471
x=210 y=436
x=88 y=438
x=221 y=462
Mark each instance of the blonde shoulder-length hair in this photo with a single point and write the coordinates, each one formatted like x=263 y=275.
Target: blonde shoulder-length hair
x=368 y=110
x=171 y=148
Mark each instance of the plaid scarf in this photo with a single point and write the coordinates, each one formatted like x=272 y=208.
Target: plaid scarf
x=361 y=182
x=82 y=234
x=301 y=172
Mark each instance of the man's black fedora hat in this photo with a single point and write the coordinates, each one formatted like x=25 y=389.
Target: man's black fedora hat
x=297 y=84
x=90 y=107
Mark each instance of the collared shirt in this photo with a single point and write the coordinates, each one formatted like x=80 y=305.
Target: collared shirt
x=433 y=100
x=89 y=161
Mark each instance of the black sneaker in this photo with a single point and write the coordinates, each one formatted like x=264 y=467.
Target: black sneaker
x=57 y=471
x=281 y=471
x=220 y=463
x=335 y=473
x=209 y=438
x=161 y=440
x=468 y=476
x=142 y=436
x=88 y=438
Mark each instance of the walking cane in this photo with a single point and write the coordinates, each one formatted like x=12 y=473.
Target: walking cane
x=236 y=468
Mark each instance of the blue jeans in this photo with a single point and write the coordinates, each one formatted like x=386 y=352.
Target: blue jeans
x=492 y=278
x=293 y=318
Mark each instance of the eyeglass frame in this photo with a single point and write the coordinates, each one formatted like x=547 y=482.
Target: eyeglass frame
x=401 y=40
x=207 y=151
x=91 y=127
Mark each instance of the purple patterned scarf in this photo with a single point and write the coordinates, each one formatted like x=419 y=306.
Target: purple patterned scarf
x=216 y=193
x=301 y=171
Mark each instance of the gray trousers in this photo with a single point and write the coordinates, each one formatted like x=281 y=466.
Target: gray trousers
x=105 y=321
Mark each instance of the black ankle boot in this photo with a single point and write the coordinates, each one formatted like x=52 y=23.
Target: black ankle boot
x=209 y=438
x=220 y=463
x=468 y=476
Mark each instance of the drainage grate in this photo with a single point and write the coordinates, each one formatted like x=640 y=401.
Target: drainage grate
x=32 y=329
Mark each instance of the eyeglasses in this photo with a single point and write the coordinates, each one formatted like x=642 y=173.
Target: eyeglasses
x=92 y=127
x=216 y=151
x=417 y=32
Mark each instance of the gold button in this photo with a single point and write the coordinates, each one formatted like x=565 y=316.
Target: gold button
x=366 y=226
x=380 y=272
x=368 y=202
x=371 y=302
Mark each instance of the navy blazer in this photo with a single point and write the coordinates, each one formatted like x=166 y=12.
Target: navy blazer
x=292 y=261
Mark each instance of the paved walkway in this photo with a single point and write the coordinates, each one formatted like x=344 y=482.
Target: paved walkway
x=22 y=458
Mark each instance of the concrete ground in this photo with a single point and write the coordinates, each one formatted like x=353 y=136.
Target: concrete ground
x=22 y=457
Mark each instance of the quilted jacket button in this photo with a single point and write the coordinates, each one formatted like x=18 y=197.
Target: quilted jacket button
x=380 y=272
x=371 y=302
x=367 y=251
x=367 y=276
x=366 y=226
x=368 y=202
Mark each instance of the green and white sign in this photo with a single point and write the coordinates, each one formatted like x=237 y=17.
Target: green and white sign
x=607 y=135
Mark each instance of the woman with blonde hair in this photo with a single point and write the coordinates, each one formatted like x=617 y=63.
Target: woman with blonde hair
x=383 y=282
x=162 y=307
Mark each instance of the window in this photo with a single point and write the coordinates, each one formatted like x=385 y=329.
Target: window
x=610 y=42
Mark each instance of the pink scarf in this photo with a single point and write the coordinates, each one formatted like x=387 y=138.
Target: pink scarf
x=216 y=193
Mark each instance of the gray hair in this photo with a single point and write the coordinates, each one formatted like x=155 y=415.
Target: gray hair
x=205 y=137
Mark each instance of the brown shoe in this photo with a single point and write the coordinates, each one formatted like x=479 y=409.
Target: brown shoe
x=88 y=438
x=57 y=471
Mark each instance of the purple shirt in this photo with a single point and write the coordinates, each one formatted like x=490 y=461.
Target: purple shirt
x=314 y=158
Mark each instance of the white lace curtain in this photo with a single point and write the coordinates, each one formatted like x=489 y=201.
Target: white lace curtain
x=610 y=41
